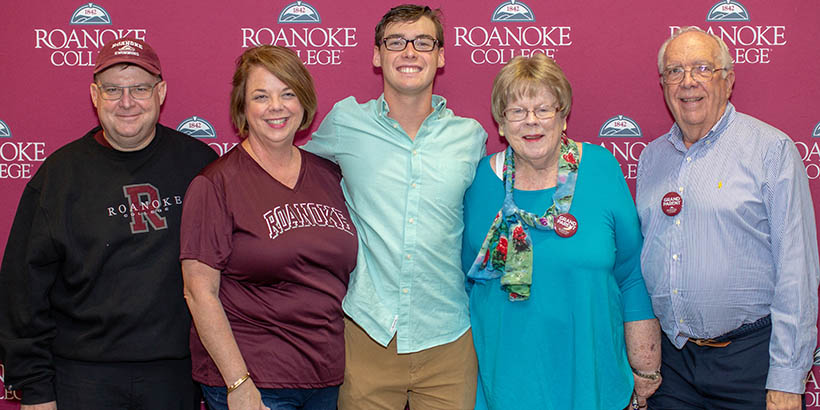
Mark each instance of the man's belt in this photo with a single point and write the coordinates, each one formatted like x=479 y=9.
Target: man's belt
x=709 y=342
x=726 y=338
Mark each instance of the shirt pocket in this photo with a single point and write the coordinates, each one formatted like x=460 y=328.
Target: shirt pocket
x=451 y=179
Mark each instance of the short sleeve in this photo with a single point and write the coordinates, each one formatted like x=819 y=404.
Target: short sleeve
x=206 y=231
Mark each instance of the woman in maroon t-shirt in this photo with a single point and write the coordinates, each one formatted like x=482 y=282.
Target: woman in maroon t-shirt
x=267 y=250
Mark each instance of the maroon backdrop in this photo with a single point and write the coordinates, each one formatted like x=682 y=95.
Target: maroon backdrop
x=608 y=50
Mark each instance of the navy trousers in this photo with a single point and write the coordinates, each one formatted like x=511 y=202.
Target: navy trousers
x=703 y=377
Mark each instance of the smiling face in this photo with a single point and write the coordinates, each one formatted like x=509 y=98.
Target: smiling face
x=535 y=141
x=409 y=72
x=128 y=124
x=696 y=106
x=272 y=109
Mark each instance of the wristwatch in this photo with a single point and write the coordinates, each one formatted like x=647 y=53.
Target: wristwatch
x=654 y=376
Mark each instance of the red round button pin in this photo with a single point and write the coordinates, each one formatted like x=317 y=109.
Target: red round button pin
x=671 y=203
x=565 y=225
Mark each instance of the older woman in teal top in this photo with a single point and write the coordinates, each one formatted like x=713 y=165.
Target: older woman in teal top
x=560 y=314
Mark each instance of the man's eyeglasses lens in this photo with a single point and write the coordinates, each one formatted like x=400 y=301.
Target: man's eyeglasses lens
x=137 y=92
x=419 y=43
x=700 y=73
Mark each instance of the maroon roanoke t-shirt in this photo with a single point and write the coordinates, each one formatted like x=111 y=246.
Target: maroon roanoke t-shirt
x=285 y=257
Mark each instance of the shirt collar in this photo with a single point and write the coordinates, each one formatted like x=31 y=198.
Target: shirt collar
x=675 y=136
x=439 y=103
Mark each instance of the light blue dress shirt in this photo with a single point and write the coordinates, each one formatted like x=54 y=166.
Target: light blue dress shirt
x=743 y=245
x=405 y=197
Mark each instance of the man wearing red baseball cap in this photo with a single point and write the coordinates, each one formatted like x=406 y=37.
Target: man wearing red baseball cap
x=92 y=314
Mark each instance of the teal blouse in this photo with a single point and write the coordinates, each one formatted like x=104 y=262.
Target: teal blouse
x=564 y=348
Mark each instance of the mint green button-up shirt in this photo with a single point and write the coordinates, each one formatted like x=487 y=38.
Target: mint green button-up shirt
x=405 y=197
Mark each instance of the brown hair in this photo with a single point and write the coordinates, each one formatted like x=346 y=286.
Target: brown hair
x=410 y=13
x=287 y=67
x=527 y=76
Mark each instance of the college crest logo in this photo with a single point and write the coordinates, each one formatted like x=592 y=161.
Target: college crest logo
x=314 y=43
x=197 y=127
x=17 y=161
x=90 y=14
x=620 y=126
x=299 y=12
x=621 y=137
x=77 y=44
x=728 y=10
x=513 y=10
x=748 y=44
x=5 y=132
x=511 y=33
x=815 y=133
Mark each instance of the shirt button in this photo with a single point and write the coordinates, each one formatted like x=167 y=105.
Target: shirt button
x=680 y=189
x=415 y=152
x=680 y=321
x=396 y=126
x=688 y=159
x=675 y=256
x=413 y=185
x=408 y=256
x=675 y=291
x=411 y=220
x=405 y=290
x=677 y=221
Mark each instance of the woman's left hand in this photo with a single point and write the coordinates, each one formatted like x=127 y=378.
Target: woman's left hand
x=643 y=348
x=644 y=388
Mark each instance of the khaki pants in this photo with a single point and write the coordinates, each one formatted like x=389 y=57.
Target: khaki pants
x=377 y=377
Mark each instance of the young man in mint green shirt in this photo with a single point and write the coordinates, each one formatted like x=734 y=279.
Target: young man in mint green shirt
x=406 y=162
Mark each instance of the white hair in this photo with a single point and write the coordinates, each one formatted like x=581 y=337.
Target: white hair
x=724 y=58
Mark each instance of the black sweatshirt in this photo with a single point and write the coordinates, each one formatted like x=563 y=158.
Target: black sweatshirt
x=91 y=270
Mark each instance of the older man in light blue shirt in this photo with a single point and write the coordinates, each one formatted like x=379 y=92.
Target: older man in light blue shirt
x=406 y=162
x=730 y=249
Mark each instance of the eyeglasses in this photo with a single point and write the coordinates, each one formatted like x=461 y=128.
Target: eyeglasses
x=421 y=43
x=137 y=92
x=519 y=114
x=700 y=73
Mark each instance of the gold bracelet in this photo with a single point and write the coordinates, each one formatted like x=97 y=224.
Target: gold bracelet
x=654 y=376
x=238 y=383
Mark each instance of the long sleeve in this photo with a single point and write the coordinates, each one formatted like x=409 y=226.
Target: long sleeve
x=794 y=250
x=27 y=328
x=628 y=242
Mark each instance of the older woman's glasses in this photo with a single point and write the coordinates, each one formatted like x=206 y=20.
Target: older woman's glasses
x=137 y=92
x=700 y=73
x=420 y=43
x=519 y=114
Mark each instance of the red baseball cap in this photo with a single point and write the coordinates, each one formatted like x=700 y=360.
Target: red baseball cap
x=130 y=51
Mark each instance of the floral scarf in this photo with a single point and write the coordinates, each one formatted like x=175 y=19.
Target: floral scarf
x=507 y=249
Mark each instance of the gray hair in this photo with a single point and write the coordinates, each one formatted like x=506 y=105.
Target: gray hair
x=724 y=58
